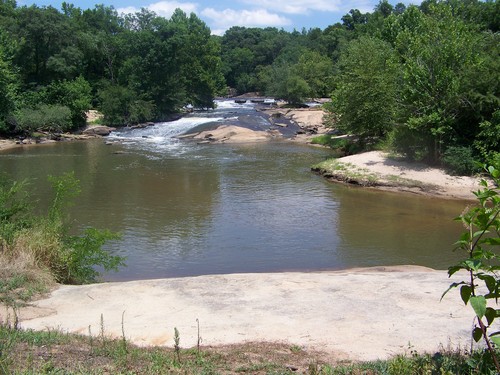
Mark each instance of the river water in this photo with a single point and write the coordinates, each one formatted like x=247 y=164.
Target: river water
x=185 y=209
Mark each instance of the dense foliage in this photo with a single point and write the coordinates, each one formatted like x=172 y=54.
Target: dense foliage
x=55 y=65
x=421 y=79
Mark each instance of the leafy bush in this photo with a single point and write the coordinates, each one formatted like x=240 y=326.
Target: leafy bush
x=460 y=160
x=114 y=103
x=75 y=94
x=14 y=210
x=141 y=111
x=487 y=141
x=480 y=242
x=343 y=146
x=44 y=240
x=51 y=118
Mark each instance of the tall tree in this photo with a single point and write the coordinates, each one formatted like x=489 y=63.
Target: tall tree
x=8 y=83
x=435 y=54
x=43 y=36
x=317 y=71
x=365 y=98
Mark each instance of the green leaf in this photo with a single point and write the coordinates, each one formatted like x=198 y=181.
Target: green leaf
x=465 y=293
x=477 y=334
x=454 y=285
x=490 y=315
x=479 y=233
x=454 y=269
x=492 y=241
x=496 y=341
x=490 y=282
x=473 y=264
x=478 y=303
x=493 y=171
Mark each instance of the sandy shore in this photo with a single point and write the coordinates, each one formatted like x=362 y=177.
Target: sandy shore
x=361 y=314
x=6 y=144
x=377 y=169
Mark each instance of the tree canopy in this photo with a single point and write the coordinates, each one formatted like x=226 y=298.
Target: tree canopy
x=423 y=79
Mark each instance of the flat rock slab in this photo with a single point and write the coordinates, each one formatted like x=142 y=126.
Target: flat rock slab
x=362 y=314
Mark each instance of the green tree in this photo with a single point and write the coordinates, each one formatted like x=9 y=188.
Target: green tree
x=480 y=85
x=201 y=64
x=435 y=53
x=487 y=141
x=365 y=98
x=8 y=84
x=317 y=71
x=75 y=94
x=354 y=19
x=43 y=33
x=115 y=103
x=245 y=52
x=153 y=68
x=334 y=39
x=283 y=81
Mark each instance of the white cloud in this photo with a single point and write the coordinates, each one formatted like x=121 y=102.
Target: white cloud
x=127 y=10
x=219 y=32
x=226 y=18
x=310 y=6
x=163 y=8
x=297 y=6
x=364 y=6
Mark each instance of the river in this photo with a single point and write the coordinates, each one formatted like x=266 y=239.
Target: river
x=185 y=209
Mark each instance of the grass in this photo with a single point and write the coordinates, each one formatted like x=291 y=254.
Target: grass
x=21 y=280
x=349 y=173
x=30 y=352
x=346 y=172
x=325 y=140
x=53 y=352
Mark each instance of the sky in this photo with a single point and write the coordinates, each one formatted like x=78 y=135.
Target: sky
x=220 y=15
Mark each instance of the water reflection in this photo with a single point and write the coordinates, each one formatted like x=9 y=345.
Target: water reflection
x=399 y=228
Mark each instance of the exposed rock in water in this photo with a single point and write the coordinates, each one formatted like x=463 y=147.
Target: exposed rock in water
x=98 y=130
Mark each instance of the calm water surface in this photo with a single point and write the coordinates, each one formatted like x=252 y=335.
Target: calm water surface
x=185 y=209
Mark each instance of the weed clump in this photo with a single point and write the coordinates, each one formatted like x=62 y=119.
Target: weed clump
x=37 y=251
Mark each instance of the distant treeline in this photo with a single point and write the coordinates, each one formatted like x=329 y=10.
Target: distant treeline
x=423 y=79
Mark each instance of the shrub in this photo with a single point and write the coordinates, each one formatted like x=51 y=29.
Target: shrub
x=14 y=209
x=487 y=141
x=43 y=243
x=75 y=94
x=141 y=111
x=51 y=118
x=460 y=160
x=480 y=241
x=342 y=146
x=114 y=104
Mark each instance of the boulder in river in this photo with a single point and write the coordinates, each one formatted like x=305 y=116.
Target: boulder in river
x=98 y=130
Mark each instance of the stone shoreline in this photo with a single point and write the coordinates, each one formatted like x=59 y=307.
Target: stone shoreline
x=359 y=314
